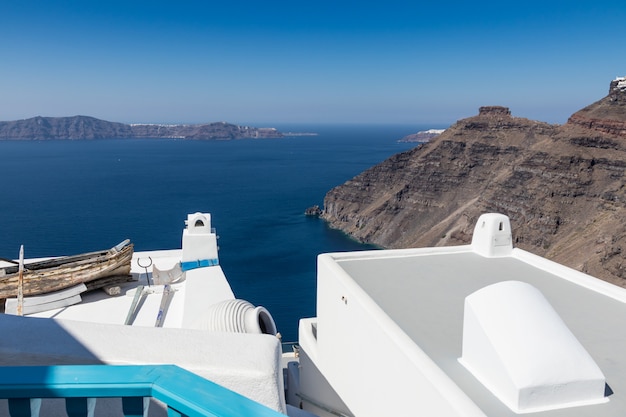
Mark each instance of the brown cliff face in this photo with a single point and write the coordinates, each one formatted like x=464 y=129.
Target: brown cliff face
x=606 y=115
x=562 y=187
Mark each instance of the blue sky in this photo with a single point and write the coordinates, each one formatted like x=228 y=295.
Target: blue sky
x=272 y=62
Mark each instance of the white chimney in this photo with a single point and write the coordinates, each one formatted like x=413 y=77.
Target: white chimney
x=199 y=241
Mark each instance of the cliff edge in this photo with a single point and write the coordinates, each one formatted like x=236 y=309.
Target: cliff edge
x=607 y=115
x=561 y=185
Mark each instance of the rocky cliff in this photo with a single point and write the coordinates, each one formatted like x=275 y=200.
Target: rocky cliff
x=84 y=127
x=607 y=115
x=562 y=186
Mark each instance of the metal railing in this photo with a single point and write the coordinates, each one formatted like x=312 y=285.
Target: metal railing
x=184 y=393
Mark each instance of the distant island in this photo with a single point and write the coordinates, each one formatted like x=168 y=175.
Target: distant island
x=422 y=136
x=85 y=127
x=297 y=134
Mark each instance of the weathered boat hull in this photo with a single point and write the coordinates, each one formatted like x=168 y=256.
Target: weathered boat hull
x=59 y=273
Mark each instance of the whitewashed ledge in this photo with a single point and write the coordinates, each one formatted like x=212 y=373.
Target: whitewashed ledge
x=248 y=364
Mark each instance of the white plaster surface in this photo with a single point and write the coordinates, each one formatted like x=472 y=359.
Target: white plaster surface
x=246 y=363
x=198 y=241
x=93 y=331
x=201 y=287
x=518 y=346
x=492 y=235
x=390 y=322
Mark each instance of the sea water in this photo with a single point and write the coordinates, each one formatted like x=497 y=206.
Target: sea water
x=68 y=197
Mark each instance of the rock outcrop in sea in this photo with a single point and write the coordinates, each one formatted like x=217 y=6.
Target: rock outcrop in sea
x=563 y=186
x=314 y=211
x=85 y=127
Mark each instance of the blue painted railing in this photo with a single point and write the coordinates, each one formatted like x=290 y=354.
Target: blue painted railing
x=184 y=393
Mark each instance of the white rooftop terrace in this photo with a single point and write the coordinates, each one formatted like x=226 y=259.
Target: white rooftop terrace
x=193 y=334
x=389 y=333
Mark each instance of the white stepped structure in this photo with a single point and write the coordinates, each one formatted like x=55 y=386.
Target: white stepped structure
x=246 y=360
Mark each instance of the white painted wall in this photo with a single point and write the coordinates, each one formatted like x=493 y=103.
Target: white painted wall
x=375 y=367
x=249 y=364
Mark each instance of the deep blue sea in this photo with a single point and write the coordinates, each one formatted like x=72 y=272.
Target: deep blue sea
x=67 y=197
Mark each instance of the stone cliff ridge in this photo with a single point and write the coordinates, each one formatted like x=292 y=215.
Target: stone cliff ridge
x=85 y=127
x=563 y=186
x=607 y=115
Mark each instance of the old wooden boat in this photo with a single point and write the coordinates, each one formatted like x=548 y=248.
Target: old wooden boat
x=63 y=272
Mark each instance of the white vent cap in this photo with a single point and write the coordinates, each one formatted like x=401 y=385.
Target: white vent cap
x=492 y=235
x=516 y=344
x=199 y=223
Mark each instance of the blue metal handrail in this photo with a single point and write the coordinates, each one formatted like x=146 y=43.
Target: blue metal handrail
x=184 y=393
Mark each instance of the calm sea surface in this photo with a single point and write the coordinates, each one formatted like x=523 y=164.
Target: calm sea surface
x=66 y=197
